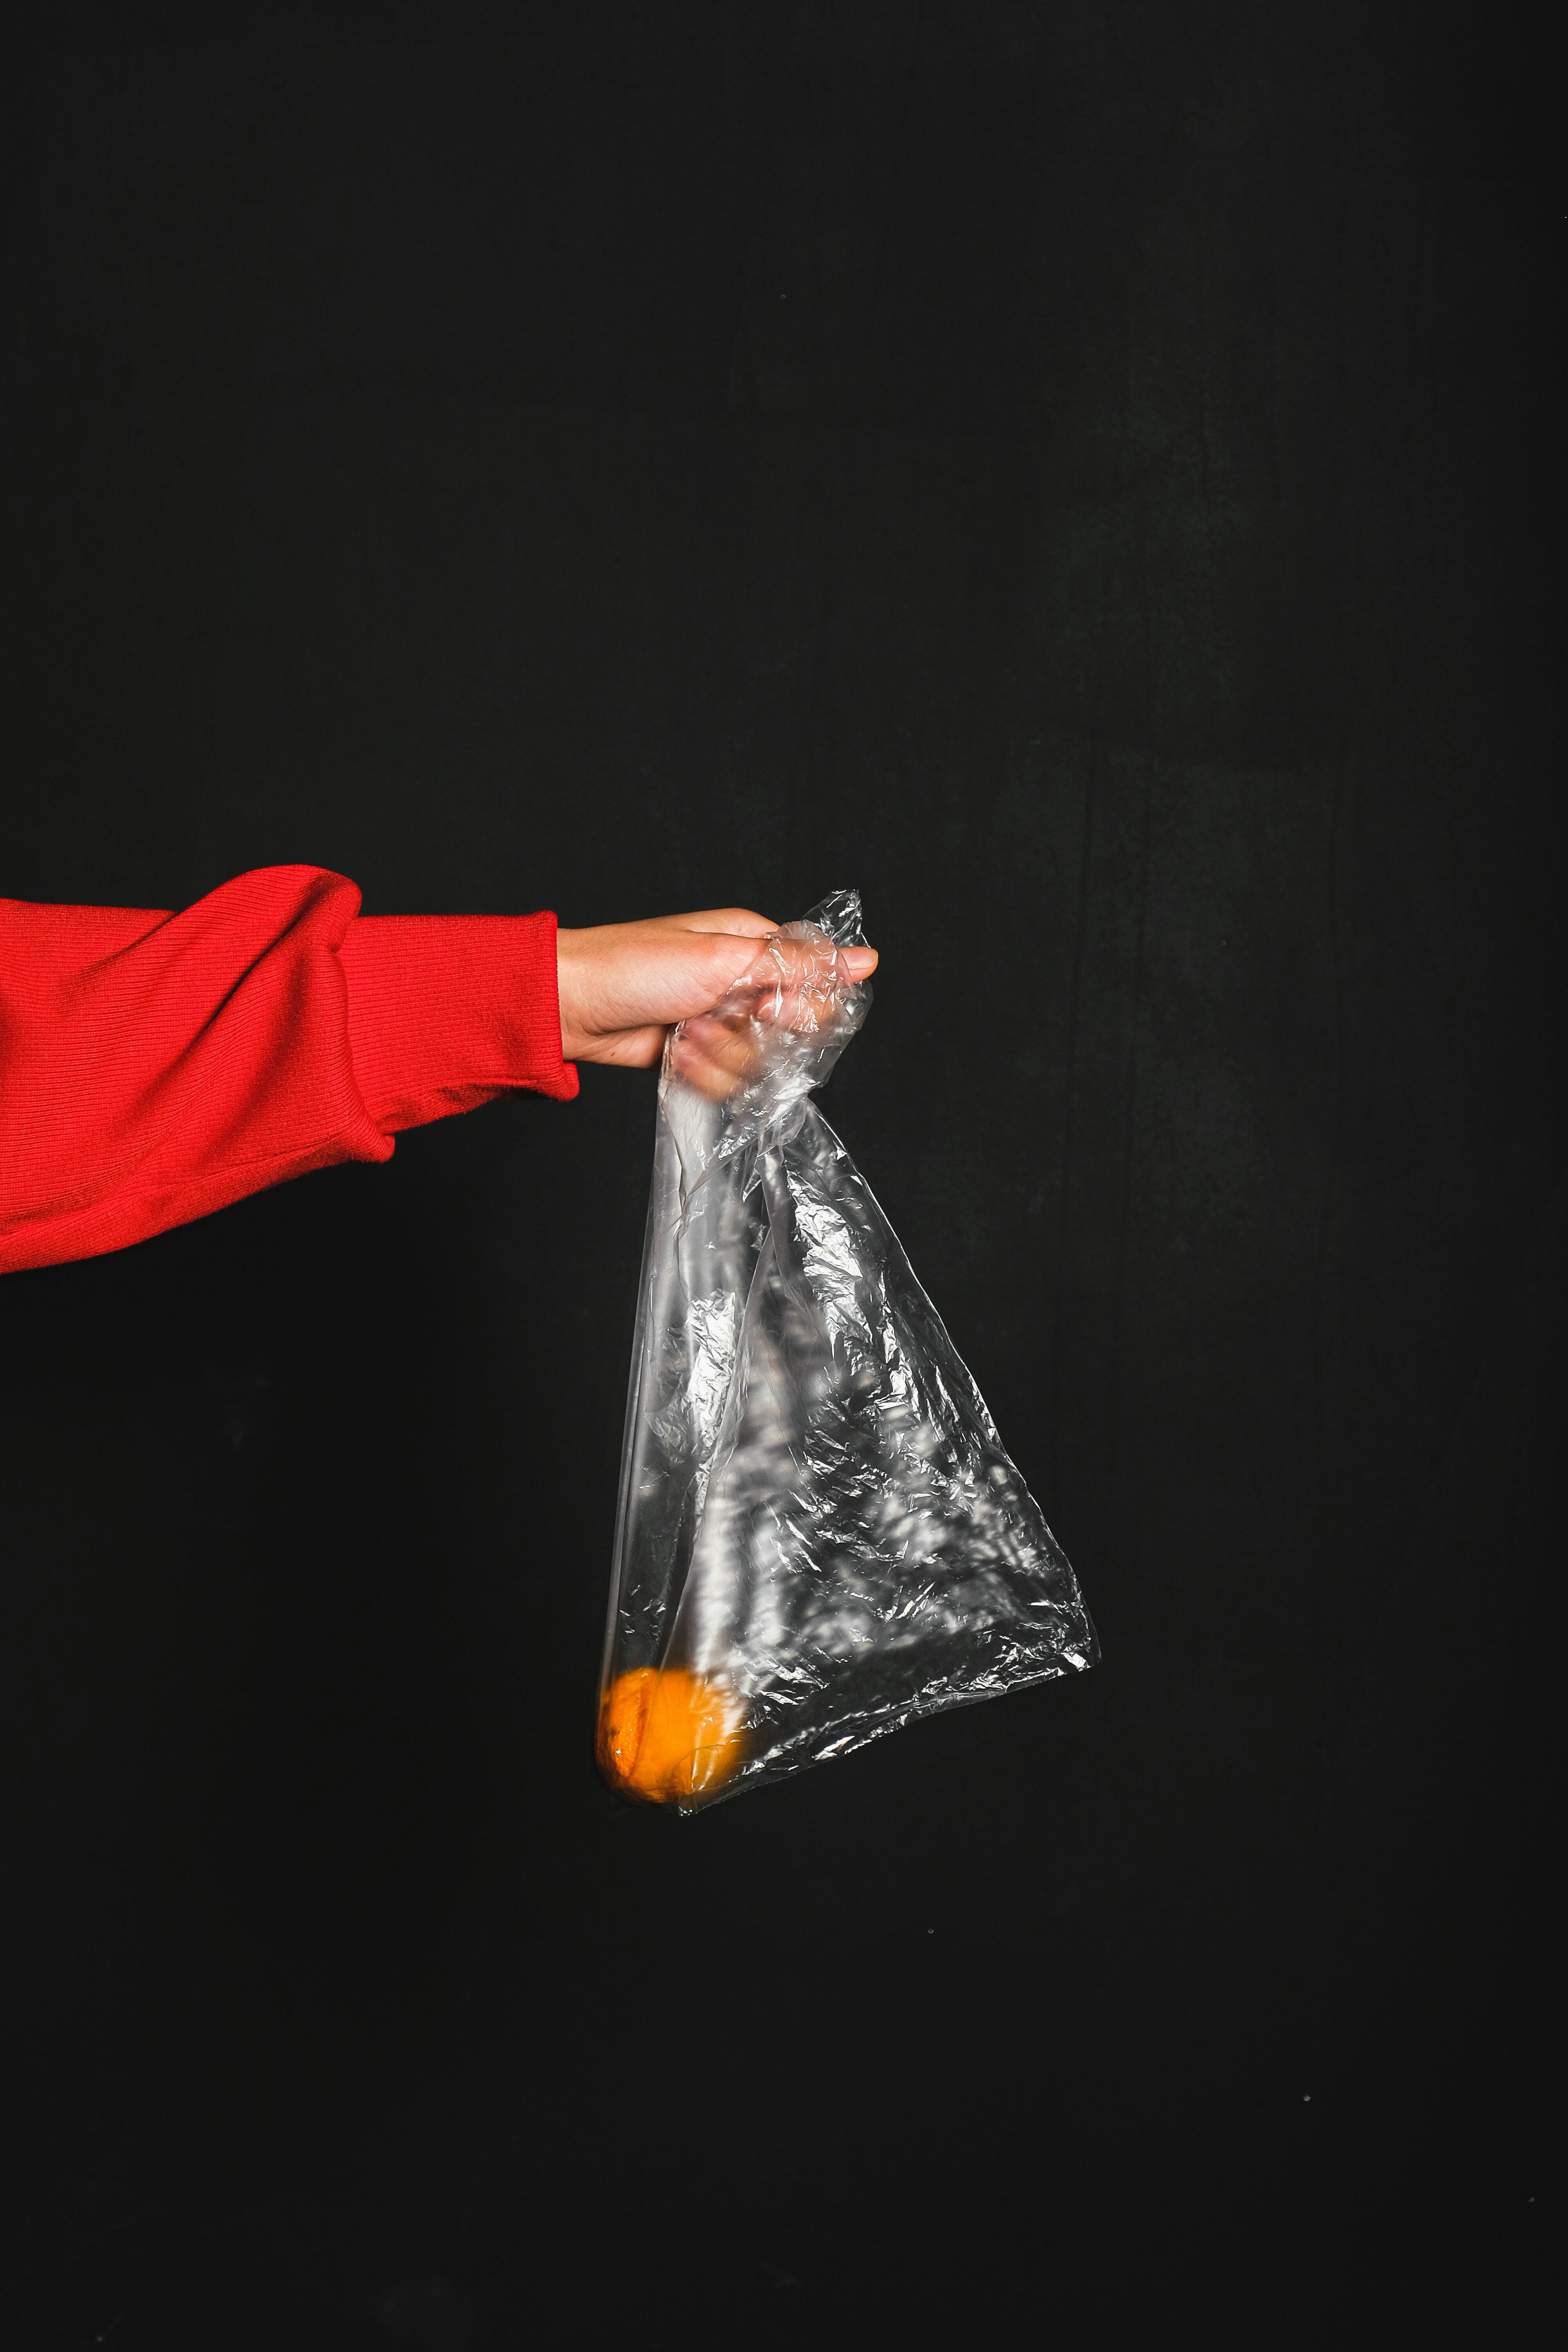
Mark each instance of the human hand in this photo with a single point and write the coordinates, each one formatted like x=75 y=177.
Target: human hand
x=623 y=985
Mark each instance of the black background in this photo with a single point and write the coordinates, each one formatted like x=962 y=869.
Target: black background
x=1083 y=473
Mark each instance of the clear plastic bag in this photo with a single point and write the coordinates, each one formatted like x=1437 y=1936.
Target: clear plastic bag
x=821 y=1536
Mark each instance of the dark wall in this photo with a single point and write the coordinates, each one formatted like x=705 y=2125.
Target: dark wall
x=1081 y=473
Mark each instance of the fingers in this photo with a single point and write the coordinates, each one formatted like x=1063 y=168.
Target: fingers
x=719 y=1057
x=716 y=1057
x=794 y=985
x=797 y=984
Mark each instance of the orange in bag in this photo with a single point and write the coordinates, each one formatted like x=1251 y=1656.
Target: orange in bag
x=667 y=1737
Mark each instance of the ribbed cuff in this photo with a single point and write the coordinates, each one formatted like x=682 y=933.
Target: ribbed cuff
x=446 y=1011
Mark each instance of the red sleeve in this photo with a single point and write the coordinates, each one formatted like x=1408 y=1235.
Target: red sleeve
x=155 y=1067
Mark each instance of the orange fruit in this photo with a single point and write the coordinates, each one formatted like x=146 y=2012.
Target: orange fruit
x=667 y=1737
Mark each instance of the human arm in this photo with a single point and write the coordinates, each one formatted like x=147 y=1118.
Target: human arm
x=155 y=1067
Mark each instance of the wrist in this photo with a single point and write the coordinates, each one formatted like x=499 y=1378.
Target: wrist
x=577 y=1038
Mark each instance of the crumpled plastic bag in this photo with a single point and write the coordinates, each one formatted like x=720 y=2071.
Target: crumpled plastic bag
x=821 y=1536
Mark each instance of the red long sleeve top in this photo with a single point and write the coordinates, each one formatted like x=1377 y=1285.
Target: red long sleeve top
x=154 y=1066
